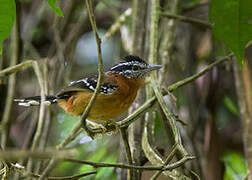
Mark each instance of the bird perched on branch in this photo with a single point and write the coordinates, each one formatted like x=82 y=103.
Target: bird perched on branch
x=118 y=91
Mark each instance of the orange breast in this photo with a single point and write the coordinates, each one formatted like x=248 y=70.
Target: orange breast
x=106 y=107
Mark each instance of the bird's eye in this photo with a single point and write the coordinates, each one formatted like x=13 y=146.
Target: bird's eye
x=135 y=68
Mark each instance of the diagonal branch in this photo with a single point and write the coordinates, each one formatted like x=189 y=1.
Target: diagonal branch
x=187 y=19
x=100 y=66
x=77 y=129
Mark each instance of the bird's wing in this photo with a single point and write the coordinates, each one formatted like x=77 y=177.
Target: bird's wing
x=86 y=84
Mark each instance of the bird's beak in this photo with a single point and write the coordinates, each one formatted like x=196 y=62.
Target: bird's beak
x=154 y=67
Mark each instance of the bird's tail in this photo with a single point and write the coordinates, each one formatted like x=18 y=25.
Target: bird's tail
x=35 y=100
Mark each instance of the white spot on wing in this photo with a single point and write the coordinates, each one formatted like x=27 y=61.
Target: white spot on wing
x=47 y=103
x=34 y=103
x=24 y=104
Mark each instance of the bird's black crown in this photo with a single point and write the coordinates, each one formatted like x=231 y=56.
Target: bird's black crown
x=131 y=58
x=132 y=67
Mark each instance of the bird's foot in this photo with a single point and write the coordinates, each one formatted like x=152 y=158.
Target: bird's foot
x=111 y=127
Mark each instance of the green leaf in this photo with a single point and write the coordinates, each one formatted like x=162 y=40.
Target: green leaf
x=231 y=106
x=57 y=10
x=235 y=166
x=7 y=18
x=232 y=24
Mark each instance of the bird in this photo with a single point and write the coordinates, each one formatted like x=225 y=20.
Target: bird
x=117 y=92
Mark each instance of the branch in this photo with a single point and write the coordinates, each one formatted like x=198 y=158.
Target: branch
x=187 y=20
x=100 y=66
x=147 y=139
x=13 y=69
x=172 y=122
x=168 y=38
x=118 y=23
x=77 y=129
x=20 y=169
x=47 y=119
x=168 y=159
x=137 y=42
x=14 y=45
x=126 y=166
x=197 y=75
x=41 y=112
x=68 y=177
x=124 y=136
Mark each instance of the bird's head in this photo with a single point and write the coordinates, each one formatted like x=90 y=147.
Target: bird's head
x=133 y=67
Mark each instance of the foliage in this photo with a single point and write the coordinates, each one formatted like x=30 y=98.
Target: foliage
x=7 y=18
x=231 y=106
x=235 y=166
x=232 y=24
x=56 y=9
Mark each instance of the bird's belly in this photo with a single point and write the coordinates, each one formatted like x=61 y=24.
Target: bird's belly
x=105 y=108
x=109 y=109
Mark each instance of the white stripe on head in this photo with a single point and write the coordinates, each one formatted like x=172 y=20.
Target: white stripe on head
x=142 y=65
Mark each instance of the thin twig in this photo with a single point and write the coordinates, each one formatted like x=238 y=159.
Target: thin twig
x=13 y=69
x=148 y=133
x=68 y=177
x=168 y=38
x=41 y=111
x=100 y=65
x=6 y=121
x=187 y=19
x=167 y=112
x=124 y=136
x=126 y=166
x=118 y=23
x=11 y=86
x=137 y=47
x=168 y=159
x=20 y=169
x=77 y=128
x=28 y=138
x=72 y=177
x=197 y=75
x=47 y=119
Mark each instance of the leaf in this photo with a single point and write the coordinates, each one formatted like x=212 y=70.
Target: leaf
x=235 y=166
x=232 y=24
x=7 y=18
x=57 y=10
x=231 y=106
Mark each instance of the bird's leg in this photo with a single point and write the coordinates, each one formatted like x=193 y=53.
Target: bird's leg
x=111 y=127
x=89 y=131
x=108 y=126
x=97 y=126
